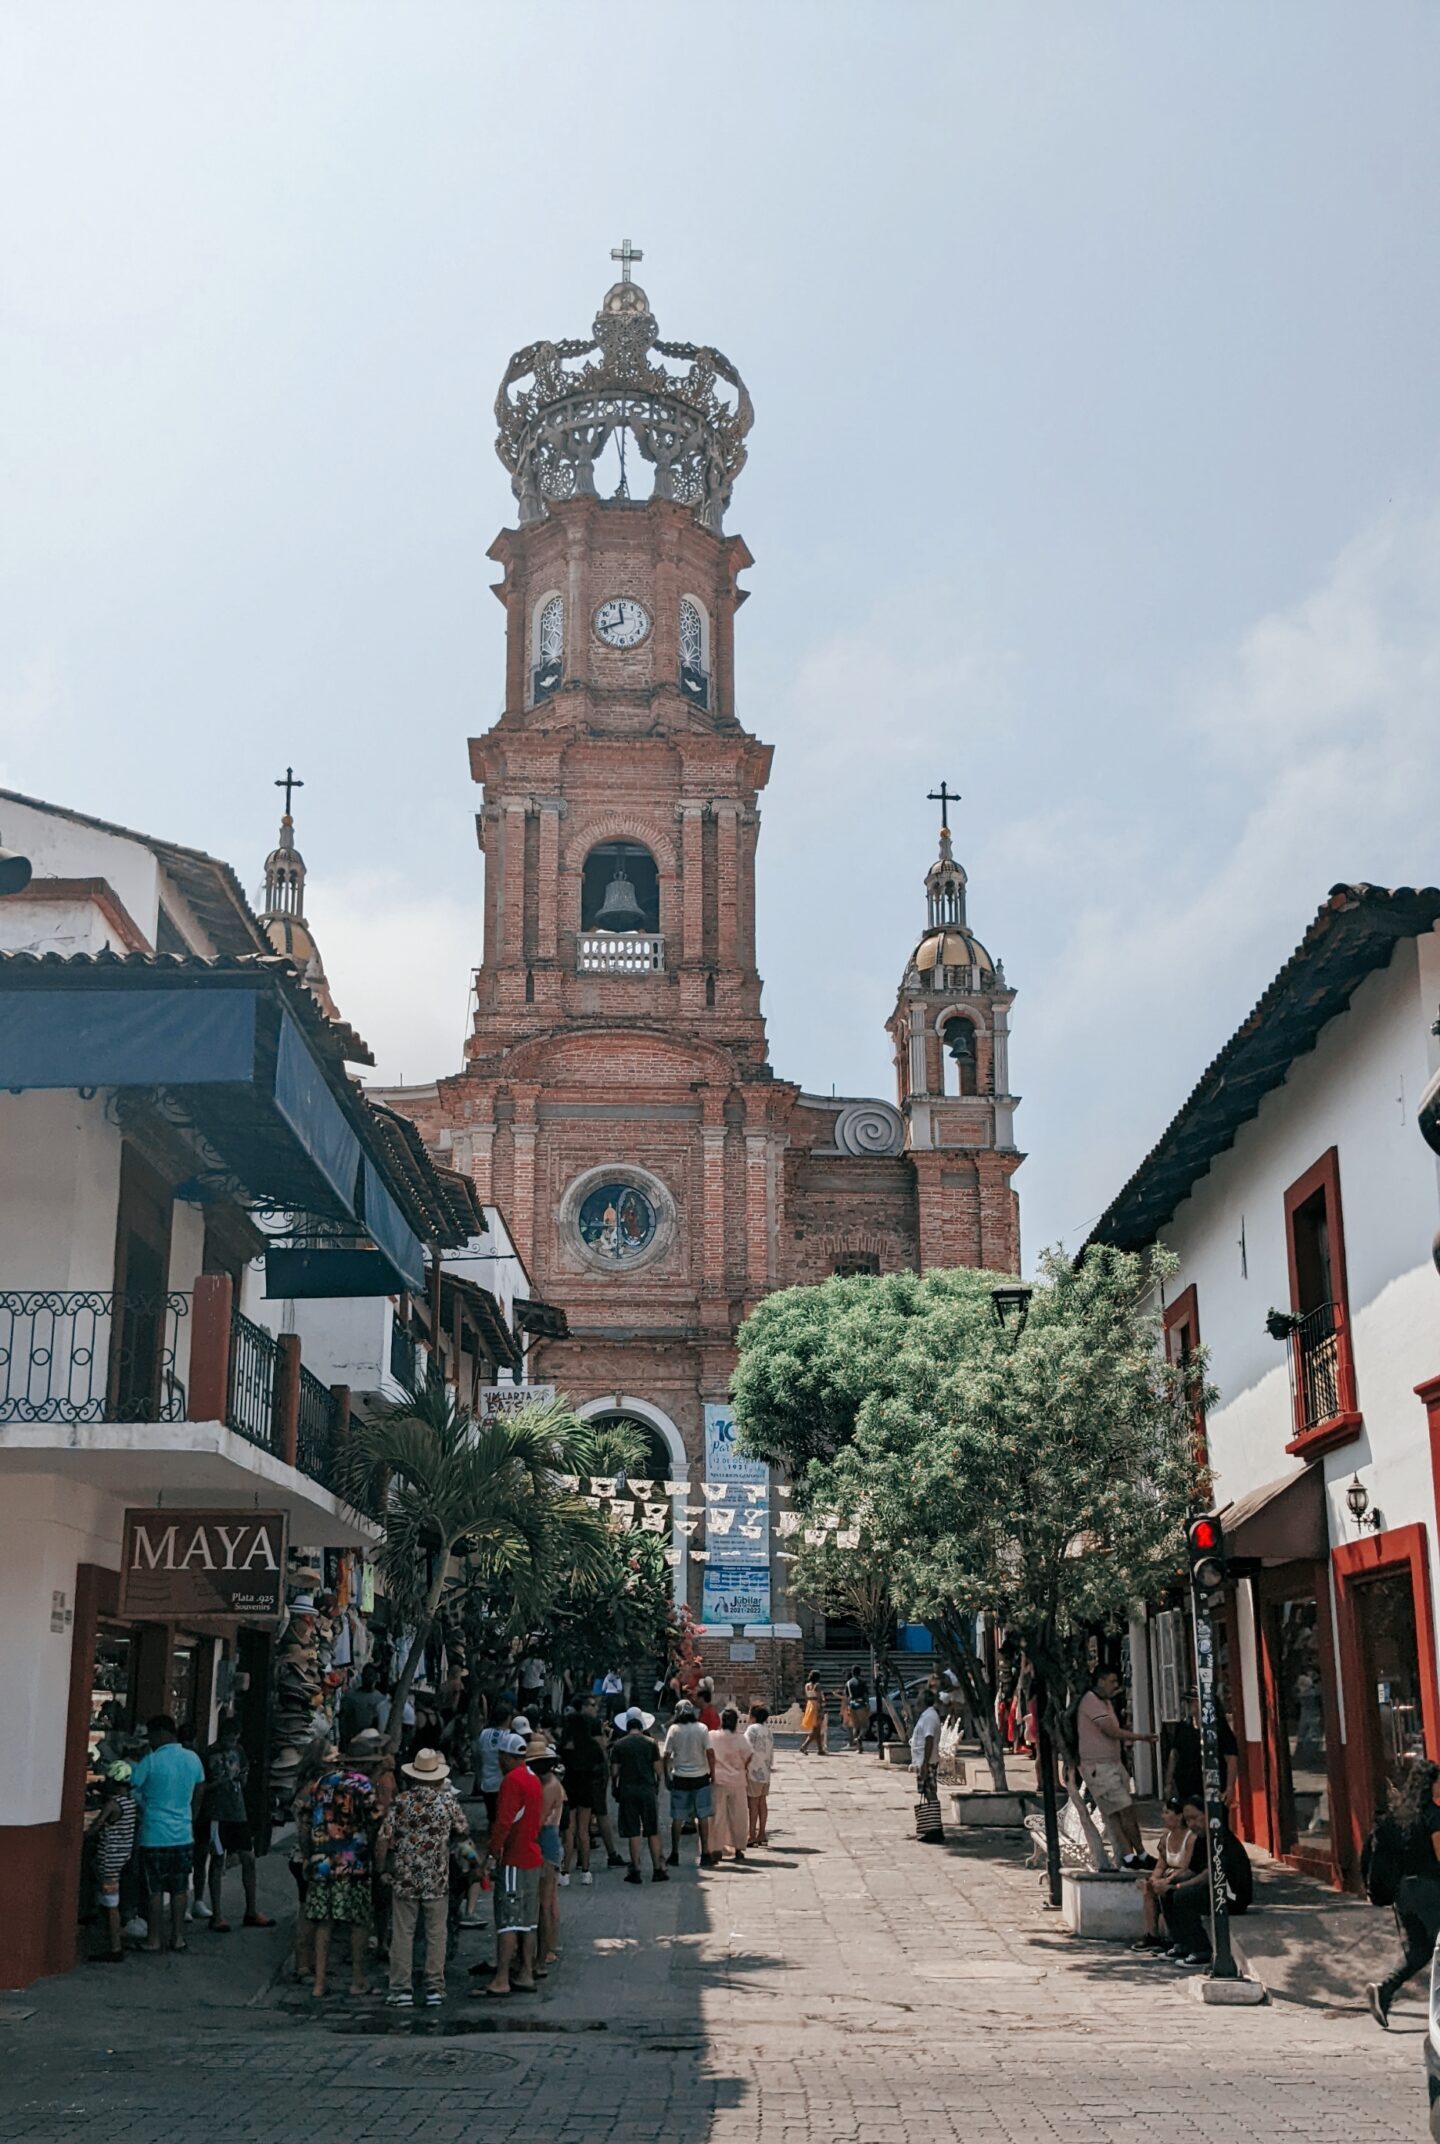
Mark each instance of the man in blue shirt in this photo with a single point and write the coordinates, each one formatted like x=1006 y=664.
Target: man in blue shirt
x=168 y=1783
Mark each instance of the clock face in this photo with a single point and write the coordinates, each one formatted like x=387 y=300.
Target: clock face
x=621 y=622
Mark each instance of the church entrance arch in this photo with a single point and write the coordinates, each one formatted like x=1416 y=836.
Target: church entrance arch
x=668 y=1450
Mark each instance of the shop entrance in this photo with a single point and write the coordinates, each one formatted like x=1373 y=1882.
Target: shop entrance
x=1390 y=1695
x=1301 y=1781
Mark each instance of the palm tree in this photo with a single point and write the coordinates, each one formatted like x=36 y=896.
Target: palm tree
x=487 y=1497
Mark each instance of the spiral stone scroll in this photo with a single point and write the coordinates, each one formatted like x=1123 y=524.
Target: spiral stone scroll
x=870 y=1128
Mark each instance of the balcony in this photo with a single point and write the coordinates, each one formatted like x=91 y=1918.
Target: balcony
x=619 y=953
x=1322 y=1382
x=92 y=1356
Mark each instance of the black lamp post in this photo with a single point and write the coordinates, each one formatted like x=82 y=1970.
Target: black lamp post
x=1011 y=1305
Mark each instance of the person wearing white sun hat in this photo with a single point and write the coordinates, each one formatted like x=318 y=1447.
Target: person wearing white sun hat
x=413 y=1850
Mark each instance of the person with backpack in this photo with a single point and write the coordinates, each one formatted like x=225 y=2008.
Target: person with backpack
x=1401 y=1867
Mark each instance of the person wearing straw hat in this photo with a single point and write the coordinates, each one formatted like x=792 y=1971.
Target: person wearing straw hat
x=413 y=1850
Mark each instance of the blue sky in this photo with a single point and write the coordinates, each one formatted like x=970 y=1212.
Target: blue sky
x=1096 y=468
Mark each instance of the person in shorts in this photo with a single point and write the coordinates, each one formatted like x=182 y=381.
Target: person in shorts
x=635 y=1775
x=544 y=1761
x=583 y=1755
x=168 y=1783
x=515 y=1856
x=1102 y=1743
x=114 y=1844
x=227 y=1826
x=689 y=1774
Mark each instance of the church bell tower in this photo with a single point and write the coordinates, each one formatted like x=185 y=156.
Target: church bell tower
x=619 y=819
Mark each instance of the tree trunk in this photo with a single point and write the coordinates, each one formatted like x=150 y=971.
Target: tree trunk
x=977 y=1687
x=425 y=1623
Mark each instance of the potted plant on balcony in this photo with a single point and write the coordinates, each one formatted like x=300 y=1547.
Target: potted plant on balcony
x=1280 y=1324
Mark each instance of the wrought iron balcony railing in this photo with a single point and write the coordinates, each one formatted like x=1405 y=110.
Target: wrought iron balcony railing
x=90 y=1355
x=1315 y=1365
x=250 y=1396
x=620 y=953
x=316 y=1429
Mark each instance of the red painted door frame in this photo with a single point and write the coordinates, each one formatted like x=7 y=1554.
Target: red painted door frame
x=1403 y=1549
x=1288 y=1582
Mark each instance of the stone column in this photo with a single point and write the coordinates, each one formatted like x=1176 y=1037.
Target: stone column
x=727 y=892
x=1000 y=1028
x=919 y=1025
x=482 y=1161
x=512 y=881
x=692 y=880
x=757 y=1212
x=712 y=1134
x=523 y=1132
x=548 y=890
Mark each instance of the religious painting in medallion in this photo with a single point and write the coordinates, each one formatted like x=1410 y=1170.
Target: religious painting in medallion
x=617 y=1220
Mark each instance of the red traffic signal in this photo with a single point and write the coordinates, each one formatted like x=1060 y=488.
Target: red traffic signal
x=1205 y=1539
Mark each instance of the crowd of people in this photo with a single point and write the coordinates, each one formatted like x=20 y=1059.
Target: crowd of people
x=386 y=1848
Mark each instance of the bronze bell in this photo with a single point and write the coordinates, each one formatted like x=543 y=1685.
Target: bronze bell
x=620 y=911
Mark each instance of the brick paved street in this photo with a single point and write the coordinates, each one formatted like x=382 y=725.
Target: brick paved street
x=849 y=1985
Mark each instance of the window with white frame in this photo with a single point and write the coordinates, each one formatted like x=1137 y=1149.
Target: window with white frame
x=548 y=666
x=694 y=652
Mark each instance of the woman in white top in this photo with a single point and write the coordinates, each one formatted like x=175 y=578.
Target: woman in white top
x=761 y=1739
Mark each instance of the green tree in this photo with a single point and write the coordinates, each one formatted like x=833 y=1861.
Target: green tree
x=476 y=1509
x=1042 y=1477
x=624 y=1618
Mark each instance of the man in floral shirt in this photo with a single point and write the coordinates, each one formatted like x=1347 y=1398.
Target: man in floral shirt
x=413 y=1850
x=340 y=1814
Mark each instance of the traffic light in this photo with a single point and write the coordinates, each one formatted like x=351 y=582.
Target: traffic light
x=1205 y=1539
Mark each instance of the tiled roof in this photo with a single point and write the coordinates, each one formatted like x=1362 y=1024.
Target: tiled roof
x=1354 y=932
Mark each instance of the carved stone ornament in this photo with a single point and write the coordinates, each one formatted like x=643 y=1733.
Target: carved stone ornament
x=870 y=1128
x=554 y=429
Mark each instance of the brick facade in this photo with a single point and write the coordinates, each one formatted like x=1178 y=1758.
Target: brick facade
x=662 y=1075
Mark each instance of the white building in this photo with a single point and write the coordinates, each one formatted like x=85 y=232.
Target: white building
x=165 y=1076
x=1294 y=1180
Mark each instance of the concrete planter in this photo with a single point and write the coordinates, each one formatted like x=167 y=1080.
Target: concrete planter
x=1105 y=1905
x=897 y=1753
x=985 y=1809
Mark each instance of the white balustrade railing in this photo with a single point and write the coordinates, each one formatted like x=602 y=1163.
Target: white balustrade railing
x=620 y=953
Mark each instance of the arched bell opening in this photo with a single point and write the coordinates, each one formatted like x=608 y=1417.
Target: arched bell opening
x=620 y=889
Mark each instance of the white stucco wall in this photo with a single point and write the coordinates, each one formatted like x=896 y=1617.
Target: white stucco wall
x=60 y=848
x=1356 y=1091
x=48 y=1525
x=59 y=1189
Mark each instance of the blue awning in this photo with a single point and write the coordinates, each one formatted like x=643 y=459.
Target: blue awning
x=305 y=1101
x=125 y=1038
x=390 y=1231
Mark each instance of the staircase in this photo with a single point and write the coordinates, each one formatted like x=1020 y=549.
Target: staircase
x=833 y=1666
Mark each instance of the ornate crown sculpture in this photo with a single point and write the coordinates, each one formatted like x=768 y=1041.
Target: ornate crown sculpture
x=553 y=431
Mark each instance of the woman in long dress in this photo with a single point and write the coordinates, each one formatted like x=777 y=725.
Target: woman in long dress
x=813 y=1718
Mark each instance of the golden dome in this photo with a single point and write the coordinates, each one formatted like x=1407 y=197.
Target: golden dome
x=952 y=948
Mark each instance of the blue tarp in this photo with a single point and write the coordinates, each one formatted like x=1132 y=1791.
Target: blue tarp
x=391 y=1232
x=313 y=1114
x=126 y=1038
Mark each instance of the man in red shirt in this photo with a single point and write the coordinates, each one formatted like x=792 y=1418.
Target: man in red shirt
x=709 y=1717
x=514 y=1853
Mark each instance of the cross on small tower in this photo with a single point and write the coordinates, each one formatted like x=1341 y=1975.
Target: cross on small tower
x=291 y=781
x=625 y=253
x=944 y=796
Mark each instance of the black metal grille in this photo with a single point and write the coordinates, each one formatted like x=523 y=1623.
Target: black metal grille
x=1315 y=1361
x=402 y=1354
x=250 y=1397
x=315 y=1438
x=90 y=1356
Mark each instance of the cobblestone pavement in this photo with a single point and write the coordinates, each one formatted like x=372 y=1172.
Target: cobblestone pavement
x=849 y=1984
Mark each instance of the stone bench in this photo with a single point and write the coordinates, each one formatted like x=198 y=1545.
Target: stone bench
x=1104 y=1904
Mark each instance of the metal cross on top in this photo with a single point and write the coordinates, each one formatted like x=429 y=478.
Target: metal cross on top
x=944 y=796
x=625 y=253
x=291 y=781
